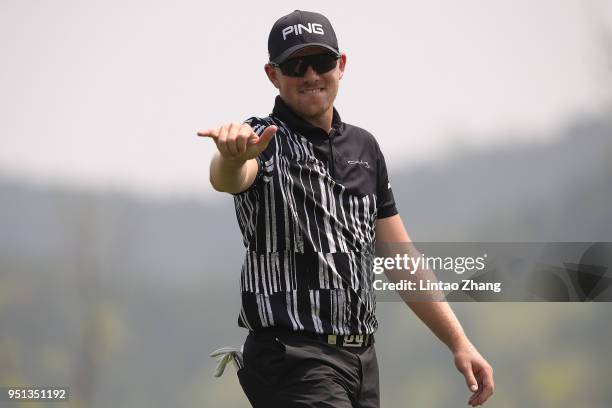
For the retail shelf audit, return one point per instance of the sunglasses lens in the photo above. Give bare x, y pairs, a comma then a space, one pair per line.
297, 67
324, 63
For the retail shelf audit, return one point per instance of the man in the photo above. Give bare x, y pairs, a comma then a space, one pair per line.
312, 197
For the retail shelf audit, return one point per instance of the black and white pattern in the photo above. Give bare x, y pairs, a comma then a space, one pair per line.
308, 224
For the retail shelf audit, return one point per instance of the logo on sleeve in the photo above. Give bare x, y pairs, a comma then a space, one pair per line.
360, 163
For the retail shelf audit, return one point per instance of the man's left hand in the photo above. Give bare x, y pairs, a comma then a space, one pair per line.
477, 371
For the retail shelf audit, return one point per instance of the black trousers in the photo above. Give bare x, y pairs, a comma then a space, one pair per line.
287, 370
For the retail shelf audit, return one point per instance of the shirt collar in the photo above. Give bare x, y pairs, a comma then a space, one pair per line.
286, 114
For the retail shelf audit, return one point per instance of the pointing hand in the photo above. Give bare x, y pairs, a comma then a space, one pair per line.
238, 141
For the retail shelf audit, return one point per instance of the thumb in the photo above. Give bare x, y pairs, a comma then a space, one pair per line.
266, 136
470, 379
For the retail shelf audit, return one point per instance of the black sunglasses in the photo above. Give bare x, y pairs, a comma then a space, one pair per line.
297, 67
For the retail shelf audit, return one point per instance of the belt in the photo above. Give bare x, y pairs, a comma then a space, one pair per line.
346, 340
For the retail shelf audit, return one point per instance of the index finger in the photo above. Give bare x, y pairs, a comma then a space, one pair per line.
213, 133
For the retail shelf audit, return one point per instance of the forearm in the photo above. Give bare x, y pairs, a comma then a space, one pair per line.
230, 175
429, 305
441, 320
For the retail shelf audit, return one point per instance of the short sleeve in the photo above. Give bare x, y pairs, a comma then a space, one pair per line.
385, 202
258, 126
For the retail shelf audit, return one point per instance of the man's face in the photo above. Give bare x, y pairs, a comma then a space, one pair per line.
312, 95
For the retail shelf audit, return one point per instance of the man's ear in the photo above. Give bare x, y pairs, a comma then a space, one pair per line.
341, 65
272, 75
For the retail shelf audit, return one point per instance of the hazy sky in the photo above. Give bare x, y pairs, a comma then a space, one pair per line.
111, 93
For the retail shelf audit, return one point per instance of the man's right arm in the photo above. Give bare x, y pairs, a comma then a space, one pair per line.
234, 167
231, 176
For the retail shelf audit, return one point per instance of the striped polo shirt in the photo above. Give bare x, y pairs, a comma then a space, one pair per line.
308, 223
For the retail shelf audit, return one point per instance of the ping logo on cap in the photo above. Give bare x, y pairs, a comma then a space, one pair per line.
297, 29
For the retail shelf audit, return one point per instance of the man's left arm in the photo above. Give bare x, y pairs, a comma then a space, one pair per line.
441, 320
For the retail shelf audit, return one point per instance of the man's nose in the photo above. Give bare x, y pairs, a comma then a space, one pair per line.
311, 73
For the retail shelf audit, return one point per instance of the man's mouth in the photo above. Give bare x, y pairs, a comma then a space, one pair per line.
312, 91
